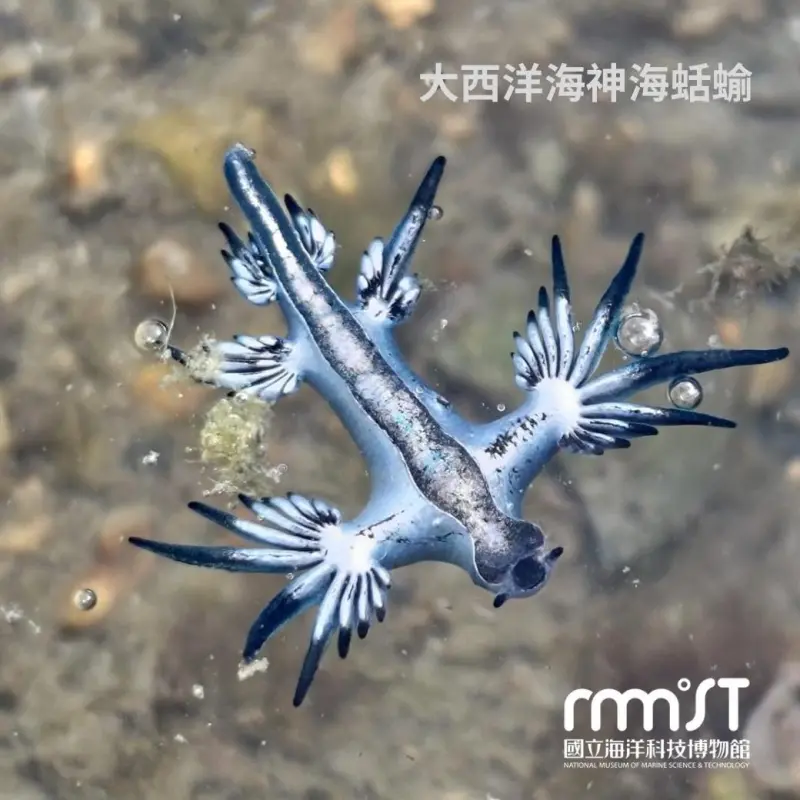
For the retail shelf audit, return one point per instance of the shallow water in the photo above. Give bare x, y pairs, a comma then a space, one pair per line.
682, 556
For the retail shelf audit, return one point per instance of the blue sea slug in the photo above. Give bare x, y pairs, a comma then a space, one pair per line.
443, 489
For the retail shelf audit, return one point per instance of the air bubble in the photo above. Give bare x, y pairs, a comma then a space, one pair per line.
501, 407
639, 332
435, 213
151, 335
85, 599
685, 393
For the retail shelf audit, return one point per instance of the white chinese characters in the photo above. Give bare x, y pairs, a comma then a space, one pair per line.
693, 83
656, 752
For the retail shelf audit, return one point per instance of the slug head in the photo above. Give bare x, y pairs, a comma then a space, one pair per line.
512, 560
528, 576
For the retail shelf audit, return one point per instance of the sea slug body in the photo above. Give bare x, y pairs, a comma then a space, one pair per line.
443, 489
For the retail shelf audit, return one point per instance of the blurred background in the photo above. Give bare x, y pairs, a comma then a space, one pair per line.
118, 672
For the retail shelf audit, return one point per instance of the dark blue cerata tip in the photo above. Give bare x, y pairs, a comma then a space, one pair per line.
443, 489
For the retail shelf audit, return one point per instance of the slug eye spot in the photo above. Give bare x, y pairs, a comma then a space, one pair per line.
528, 573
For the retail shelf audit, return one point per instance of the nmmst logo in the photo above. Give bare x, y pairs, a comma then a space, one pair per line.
649, 699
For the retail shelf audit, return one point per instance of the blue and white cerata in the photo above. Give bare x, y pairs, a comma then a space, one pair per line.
443, 489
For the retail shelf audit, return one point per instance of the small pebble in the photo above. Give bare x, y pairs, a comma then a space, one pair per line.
768, 383
730, 332
151, 335
88, 186
168, 264
341, 171
28, 518
327, 49
792, 471
403, 14
25, 536
86, 166
685, 393
85, 599
6, 432
17, 63
458, 125
639, 333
